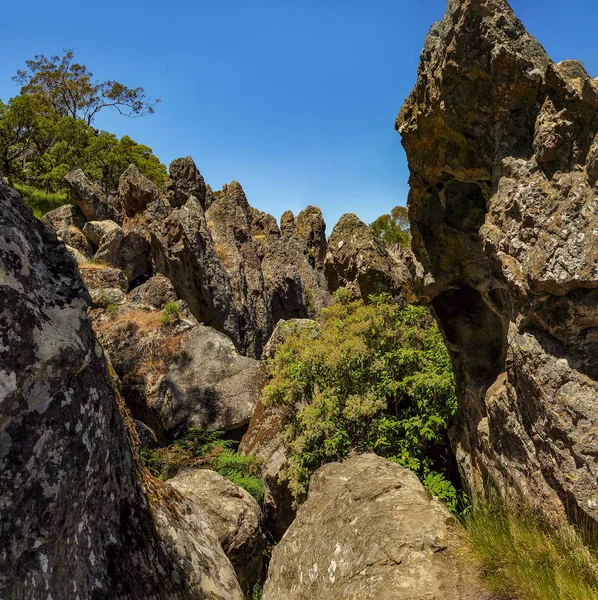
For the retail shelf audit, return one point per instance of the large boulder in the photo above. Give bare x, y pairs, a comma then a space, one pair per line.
68, 222
233, 515
156, 292
179, 375
356, 260
127, 250
369, 529
96, 230
501, 144
208, 385
80, 517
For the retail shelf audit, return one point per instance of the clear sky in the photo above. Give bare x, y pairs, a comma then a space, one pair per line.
294, 99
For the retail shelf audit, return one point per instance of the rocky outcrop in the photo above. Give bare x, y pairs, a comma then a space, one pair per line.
501, 144
80, 517
356, 260
136, 191
87, 196
176, 374
369, 529
233, 515
233, 266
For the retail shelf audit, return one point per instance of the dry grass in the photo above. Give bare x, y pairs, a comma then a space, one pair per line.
524, 557
225, 255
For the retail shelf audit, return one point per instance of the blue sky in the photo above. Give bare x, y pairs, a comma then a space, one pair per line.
294, 99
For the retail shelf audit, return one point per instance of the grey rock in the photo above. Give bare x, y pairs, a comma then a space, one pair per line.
286, 329
147, 436
233, 515
208, 385
88, 198
369, 529
356, 260
69, 476
501, 148
67, 222
96, 230
156, 291
136, 191
126, 250
185, 181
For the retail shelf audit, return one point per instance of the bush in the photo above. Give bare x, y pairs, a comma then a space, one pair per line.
207, 450
525, 557
376, 377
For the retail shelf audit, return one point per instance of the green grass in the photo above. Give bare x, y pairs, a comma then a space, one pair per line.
523, 557
39, 201
170, 313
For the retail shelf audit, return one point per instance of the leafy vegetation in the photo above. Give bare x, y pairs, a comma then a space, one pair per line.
207, 450
525, 557
170, 313
377, 377
393, 228
47, 130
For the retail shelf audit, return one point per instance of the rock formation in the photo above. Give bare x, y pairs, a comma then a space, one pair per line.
356, 260
177, 375
233, 515
369, 529
232, 265
79, 517
502, 146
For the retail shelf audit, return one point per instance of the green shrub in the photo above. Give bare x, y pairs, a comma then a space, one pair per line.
258, 592
170, 313
39, 201
376, 377
207, 450
524, 557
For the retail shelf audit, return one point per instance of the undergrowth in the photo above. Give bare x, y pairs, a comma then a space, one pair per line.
207, 450
376, 378
524, 557
39, 201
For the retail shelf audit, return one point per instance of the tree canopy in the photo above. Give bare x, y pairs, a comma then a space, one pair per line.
69, 89
47, 130
393, 228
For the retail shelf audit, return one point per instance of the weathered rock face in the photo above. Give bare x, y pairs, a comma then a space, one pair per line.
357, 261
501, 144
88, 198
208, 386
369, 529
234, 516
80, 518
179, 375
